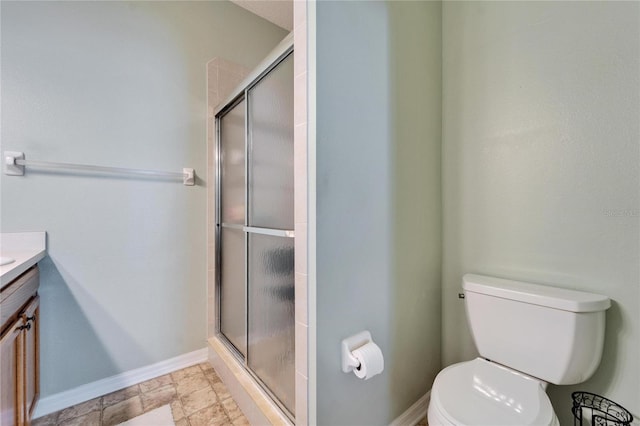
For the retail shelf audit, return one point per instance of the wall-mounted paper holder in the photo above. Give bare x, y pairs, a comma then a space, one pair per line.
349, 362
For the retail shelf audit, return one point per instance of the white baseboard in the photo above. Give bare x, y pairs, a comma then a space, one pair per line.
415, 413
68, 398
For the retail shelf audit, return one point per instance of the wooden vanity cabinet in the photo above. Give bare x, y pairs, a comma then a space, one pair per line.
19, 350
10, 355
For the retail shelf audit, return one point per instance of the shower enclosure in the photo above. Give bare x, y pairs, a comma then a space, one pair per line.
254, 229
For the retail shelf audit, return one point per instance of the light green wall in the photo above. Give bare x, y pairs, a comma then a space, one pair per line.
118, 84
541, 170
378, 202
416, 121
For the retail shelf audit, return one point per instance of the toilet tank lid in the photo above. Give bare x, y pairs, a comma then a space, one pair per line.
536, 294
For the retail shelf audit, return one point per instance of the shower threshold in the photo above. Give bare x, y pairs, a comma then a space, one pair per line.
256, 404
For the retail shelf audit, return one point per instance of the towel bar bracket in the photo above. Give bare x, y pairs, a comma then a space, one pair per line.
11, 167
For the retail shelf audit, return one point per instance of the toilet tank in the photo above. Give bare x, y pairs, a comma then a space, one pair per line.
550, 333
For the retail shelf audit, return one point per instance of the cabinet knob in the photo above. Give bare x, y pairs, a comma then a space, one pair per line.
31, 318
27, 326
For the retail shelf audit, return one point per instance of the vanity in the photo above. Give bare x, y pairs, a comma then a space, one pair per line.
19, 325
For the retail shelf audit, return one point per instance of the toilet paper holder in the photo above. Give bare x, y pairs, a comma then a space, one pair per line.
349, 362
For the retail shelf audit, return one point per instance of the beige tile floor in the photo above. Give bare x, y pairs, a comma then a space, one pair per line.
196, 394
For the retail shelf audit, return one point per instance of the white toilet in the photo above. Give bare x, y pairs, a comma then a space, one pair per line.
527, 335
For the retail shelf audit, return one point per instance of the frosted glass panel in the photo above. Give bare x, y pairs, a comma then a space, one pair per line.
233, 317
271, 144
271, 315
232, 155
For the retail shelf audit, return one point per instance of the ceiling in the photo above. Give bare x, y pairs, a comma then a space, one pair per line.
279, 12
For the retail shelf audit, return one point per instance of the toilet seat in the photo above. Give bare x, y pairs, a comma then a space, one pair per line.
481, 392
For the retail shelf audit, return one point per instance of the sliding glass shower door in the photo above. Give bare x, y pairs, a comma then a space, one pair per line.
232, 238
255, 222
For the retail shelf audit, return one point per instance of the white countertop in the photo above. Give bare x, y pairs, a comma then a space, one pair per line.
27, 248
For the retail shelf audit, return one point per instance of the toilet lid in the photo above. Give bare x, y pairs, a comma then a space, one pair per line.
480, 392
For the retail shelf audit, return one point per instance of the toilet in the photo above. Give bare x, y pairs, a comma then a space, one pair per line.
527, 335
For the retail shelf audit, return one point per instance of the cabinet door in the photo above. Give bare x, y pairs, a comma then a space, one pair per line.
11, 402
31, 359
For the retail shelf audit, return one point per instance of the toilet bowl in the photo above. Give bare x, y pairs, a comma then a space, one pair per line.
480, 392
527, 335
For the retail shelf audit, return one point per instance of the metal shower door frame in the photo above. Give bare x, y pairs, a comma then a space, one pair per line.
242, 94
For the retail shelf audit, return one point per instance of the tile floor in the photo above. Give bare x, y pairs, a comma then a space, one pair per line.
196, 394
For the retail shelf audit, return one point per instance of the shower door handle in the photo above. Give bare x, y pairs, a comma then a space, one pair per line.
287, 233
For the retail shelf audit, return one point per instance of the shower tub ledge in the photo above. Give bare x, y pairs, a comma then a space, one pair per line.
256, 405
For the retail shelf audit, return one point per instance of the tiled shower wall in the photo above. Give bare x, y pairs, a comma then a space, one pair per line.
300, 202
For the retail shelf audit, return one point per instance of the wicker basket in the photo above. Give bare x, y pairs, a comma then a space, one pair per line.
598, 410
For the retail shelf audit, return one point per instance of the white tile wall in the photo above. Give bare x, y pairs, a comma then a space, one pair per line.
301, 214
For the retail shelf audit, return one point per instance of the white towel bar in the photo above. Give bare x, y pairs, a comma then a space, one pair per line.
14, 164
